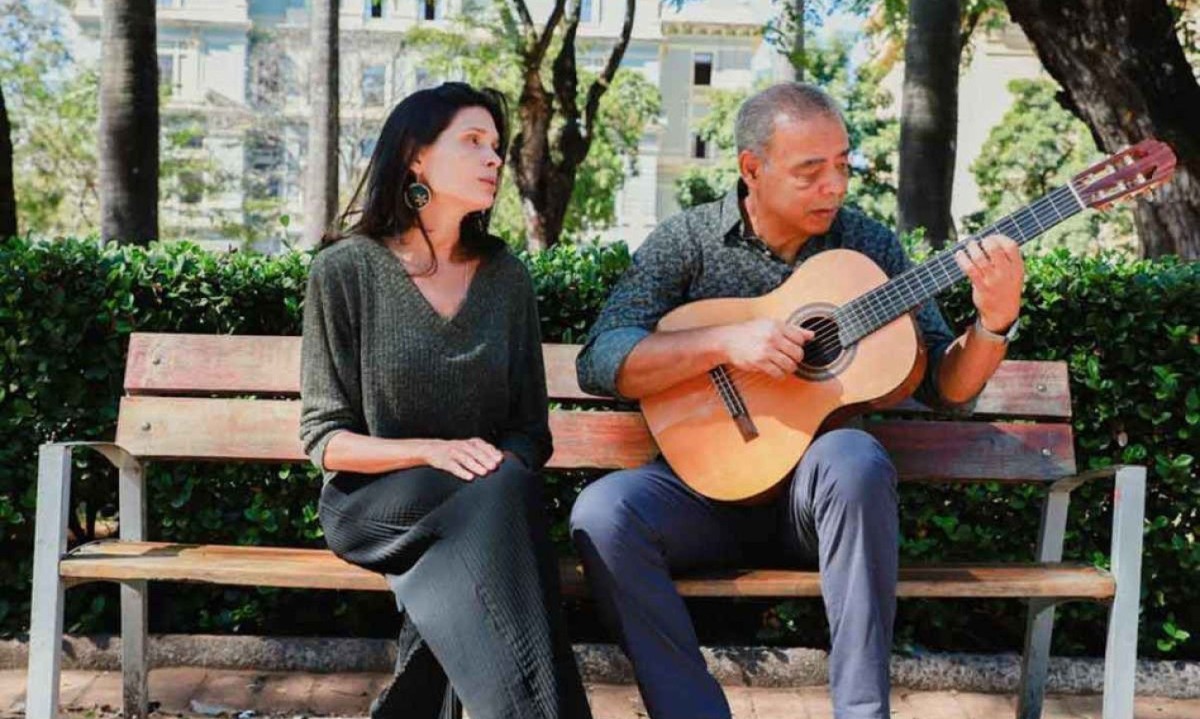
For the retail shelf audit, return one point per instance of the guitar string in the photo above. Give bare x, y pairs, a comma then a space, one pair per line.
828, 339
874, 313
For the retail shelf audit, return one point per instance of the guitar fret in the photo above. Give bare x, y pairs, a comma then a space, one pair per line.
912, 288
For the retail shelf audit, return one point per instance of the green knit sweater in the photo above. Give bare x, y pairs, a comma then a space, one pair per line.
378, 360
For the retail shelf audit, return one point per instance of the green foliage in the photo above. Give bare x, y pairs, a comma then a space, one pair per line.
1130, 332
572, 283
698, 185
1035, 148
874, 134
889, 19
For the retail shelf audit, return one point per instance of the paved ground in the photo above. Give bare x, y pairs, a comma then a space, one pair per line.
199, 692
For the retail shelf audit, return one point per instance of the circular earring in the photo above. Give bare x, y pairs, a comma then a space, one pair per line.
417, 195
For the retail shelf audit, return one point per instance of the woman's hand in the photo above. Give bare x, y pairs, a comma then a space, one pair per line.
464, 458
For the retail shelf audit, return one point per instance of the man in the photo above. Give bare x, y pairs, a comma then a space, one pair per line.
635, 528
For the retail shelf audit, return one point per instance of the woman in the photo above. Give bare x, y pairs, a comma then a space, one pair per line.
424, 406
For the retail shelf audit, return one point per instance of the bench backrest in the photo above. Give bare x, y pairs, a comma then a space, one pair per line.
186, 398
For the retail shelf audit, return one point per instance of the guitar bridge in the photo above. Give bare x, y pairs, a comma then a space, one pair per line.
732, 399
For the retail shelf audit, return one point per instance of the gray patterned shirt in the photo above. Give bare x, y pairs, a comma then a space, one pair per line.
709, 251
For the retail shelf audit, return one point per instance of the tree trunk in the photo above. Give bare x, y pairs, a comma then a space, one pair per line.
798, 40
321, 187
128, 122
929, 118
546, 178
1124, 74
8, 197
530, 156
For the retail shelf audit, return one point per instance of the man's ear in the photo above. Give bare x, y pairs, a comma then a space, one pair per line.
750, 166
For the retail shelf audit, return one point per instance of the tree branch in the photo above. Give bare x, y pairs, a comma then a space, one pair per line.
556, 14
566, 74
600, 86
527, 31
970, 22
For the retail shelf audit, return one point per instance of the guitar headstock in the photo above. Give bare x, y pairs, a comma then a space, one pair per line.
1126, 174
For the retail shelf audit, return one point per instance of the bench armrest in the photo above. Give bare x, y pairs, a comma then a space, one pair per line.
1129, 511
54, 486
1069, 484
117, 455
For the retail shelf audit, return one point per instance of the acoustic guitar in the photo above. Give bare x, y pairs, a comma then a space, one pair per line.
735, 436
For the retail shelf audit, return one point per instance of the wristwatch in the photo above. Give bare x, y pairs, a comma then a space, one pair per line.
1008, 336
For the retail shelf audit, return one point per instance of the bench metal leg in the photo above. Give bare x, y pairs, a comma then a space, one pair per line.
134, 596
1039, 628
451, 706
1120, 655
46, 617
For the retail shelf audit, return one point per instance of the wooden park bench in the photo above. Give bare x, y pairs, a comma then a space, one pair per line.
185, 400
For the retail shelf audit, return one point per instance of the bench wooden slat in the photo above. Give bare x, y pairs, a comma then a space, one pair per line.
320, 569
172, 364
193, 364
267, 430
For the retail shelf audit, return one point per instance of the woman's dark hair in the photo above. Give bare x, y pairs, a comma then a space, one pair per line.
414, 124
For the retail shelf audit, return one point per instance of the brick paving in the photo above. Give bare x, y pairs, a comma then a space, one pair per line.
194, 692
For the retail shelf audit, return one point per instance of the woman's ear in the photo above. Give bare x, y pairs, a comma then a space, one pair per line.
417, 168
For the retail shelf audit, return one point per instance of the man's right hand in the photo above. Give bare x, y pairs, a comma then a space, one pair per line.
765, 345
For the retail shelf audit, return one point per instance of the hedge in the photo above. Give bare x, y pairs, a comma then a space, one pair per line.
1130, 331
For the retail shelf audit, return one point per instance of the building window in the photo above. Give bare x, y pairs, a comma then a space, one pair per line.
423, 79
171, 57
289, 74
266, 161
170, 3
191, 188
699, 148
373, 85
702, 68
587, 11
166, 71
375, 8
431, 9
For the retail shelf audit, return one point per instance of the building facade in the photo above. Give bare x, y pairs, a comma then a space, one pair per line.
239, 68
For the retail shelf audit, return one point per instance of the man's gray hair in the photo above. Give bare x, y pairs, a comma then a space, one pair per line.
797, 100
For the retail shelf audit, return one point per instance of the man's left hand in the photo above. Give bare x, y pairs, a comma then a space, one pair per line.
997, 274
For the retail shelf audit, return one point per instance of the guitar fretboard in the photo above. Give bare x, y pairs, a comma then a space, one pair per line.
862, 316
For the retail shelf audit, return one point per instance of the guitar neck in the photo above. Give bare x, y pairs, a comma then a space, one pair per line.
903, 293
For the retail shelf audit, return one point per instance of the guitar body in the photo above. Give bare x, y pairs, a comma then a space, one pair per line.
735, 436
693, 426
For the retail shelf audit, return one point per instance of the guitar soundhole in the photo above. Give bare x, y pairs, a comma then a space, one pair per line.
824, 355
825, 347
